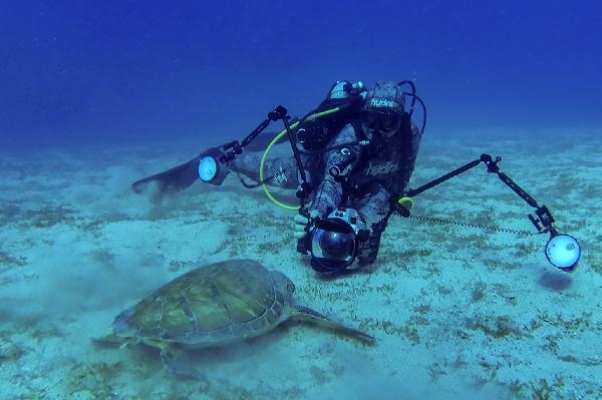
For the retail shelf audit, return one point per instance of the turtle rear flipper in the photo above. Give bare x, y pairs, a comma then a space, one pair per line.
309, 315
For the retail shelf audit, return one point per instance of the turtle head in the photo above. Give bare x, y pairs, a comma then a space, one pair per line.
122, 326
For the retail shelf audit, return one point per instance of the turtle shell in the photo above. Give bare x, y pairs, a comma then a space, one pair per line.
211, 305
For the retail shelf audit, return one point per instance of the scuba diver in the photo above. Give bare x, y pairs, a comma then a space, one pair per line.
351, 162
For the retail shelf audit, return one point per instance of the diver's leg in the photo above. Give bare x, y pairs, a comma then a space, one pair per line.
375, 209
278, 169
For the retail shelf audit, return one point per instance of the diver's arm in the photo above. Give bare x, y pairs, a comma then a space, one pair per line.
328, 195
399, 184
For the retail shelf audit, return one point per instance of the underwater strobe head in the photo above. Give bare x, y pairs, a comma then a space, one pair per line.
211, 169
563, 251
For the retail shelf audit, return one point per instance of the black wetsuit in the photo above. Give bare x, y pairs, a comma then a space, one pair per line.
380, 171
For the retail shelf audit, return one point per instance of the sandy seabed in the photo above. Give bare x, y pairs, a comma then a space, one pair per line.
466, 308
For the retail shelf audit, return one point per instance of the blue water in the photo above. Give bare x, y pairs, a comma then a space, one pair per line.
81, 72
77, 246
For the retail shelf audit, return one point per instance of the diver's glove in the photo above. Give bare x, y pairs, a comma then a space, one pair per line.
302, 224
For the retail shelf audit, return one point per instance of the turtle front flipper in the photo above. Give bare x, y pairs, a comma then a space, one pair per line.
309, 315
177, 361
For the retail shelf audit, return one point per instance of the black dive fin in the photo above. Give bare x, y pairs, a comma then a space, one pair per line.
173, 180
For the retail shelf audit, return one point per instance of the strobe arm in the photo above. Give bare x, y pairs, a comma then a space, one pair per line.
543, 219
562, 251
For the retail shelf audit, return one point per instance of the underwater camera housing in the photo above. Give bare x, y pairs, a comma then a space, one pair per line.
334, 242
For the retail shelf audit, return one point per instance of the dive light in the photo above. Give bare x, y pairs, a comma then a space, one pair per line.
211, 169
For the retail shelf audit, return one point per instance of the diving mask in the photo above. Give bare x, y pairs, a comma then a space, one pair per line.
385, 120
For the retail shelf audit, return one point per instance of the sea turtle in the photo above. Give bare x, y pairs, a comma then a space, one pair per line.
215, 305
